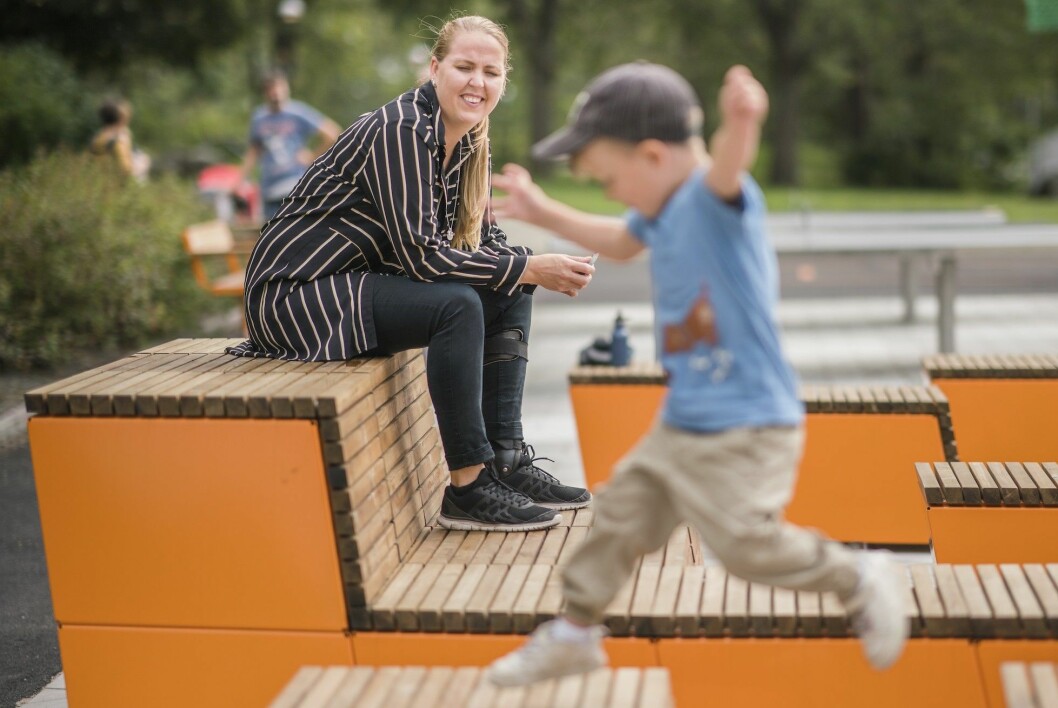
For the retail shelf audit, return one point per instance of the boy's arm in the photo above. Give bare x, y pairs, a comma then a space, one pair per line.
743, 107
525, 201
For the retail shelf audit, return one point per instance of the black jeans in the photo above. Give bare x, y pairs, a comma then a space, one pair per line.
475, 402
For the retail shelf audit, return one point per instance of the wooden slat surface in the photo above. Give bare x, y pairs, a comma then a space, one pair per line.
1009, 484
995, 366
443, 687
1029, 685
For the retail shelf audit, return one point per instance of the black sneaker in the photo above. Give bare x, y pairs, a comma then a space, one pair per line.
516, 467
487, 505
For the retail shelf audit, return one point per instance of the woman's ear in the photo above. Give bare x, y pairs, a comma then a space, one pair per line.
433, 70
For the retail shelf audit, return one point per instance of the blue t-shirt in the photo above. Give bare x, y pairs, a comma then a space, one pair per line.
279, 136
716, 284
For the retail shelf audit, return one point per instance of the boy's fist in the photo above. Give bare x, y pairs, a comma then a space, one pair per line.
742, 98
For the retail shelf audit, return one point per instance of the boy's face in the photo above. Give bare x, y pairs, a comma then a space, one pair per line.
631, 174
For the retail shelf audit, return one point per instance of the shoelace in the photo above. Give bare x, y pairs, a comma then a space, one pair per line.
506, 494
528, 451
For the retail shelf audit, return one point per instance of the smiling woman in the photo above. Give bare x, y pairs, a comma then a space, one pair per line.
383, 246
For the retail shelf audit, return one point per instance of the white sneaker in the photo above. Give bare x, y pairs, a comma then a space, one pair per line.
546, 656
878, 610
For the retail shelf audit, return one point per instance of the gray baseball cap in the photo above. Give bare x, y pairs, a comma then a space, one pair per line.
630, 102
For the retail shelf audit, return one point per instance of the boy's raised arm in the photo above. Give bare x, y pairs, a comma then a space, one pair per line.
526, 202
743, 107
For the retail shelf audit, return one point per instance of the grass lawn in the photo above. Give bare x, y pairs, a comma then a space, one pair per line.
1018, 207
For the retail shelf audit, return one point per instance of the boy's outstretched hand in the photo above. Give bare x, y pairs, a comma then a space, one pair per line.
524, 201
742, 98
743, 107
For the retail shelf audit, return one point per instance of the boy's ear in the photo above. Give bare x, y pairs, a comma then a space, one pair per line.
653, 151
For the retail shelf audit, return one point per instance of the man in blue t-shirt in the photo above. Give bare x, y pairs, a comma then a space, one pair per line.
281, 131
723, 455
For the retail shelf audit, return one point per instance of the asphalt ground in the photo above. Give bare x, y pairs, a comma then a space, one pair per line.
29, 648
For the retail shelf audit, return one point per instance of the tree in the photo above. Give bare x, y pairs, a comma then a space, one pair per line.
106, 34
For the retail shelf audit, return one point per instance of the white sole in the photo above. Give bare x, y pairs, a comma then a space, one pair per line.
465, 525
566, 506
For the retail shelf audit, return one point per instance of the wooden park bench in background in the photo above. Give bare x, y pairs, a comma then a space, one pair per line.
991, 512
1033, 685
1002, 406
446, 687
856, 481
216, 258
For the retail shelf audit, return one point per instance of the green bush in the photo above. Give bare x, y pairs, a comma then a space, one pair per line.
90, 260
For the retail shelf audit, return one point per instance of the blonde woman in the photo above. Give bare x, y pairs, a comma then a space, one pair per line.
384, 246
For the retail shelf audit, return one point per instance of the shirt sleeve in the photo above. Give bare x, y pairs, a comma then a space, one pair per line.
399, 176
637, 226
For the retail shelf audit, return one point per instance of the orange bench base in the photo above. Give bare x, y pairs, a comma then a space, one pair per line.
132, 667
856, 482
994, 534
1003, 419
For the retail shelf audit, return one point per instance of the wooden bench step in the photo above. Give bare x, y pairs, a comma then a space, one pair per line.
999, 484
445, 687
1006, 601
1030, 685
991, 366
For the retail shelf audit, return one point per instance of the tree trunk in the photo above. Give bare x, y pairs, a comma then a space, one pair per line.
537, 28
780, 19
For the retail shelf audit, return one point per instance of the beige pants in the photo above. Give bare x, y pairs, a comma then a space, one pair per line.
730, 486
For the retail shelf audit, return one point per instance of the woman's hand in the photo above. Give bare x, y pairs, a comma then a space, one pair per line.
525, 200
558, 272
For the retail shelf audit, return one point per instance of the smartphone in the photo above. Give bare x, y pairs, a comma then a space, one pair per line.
594, 257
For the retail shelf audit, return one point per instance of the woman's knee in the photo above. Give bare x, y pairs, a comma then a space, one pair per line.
460, 305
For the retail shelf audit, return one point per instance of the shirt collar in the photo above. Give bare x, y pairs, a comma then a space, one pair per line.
463, 152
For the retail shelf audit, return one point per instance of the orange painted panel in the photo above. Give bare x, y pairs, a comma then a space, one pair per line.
857, 480
994, 535
415, 649
187, 523
818, 673
119, 667
610, 420
1003, 419
992, 653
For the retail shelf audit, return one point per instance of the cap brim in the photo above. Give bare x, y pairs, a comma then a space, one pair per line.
560, 144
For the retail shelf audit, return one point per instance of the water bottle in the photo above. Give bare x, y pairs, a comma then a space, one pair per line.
620, 351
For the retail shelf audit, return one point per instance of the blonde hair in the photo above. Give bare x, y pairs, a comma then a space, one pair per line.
474, 184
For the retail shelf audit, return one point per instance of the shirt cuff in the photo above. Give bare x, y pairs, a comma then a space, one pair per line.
508, 271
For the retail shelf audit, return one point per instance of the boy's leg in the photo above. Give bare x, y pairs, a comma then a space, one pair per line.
633, 516
734, 487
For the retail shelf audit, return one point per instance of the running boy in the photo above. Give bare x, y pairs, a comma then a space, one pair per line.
723, 455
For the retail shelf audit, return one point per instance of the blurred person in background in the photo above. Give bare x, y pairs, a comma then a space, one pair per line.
281, 133
114, 139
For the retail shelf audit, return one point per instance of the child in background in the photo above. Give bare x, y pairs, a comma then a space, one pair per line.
723, 454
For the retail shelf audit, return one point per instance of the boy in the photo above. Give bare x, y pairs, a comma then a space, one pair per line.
724, 453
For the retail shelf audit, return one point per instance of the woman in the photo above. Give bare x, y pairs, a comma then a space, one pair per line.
114, 138
384, 246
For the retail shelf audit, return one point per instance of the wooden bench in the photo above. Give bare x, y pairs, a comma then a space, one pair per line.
991, 512
225, 518
212, 524
447, 687
213, 242
1002, 406
1033, 685
855, 481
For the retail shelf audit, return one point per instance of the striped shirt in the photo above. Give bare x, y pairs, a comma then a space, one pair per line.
378, 201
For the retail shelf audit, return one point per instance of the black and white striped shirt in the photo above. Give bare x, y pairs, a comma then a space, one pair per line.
378, 201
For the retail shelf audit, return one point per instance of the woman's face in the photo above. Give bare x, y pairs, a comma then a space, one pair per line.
470, 80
